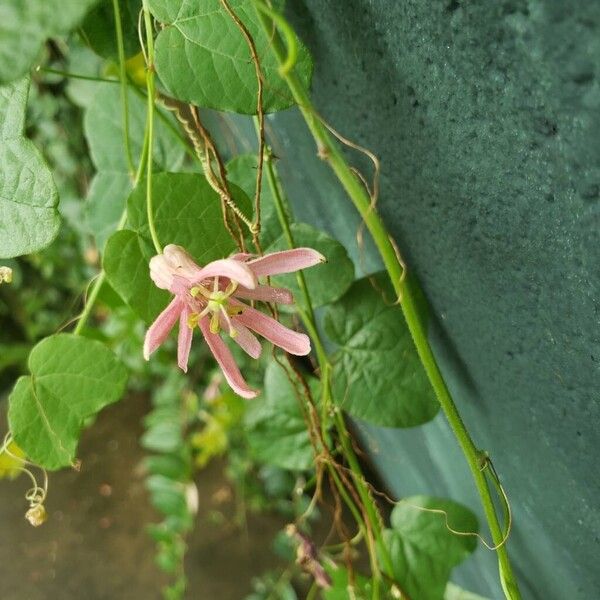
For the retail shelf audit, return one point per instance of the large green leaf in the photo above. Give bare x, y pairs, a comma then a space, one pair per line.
422, 549
29, 219
326, 282
242, 171
187, 211
125, 262
275, 424
26, 24
378, 376
202, 57
71, 379
103, 127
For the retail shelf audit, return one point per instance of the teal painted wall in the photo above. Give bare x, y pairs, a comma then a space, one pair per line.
486, 117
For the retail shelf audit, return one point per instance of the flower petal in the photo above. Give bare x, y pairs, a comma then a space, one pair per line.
160, 272
246, 340
184, 340
159, 330
291, 341
286, 261
180, 261
225, 359
266, 293
230, 268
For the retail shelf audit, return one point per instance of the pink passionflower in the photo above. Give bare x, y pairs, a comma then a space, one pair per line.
211, 297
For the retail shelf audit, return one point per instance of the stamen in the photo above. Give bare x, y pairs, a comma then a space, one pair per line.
232, 331
200, 289
214, 323
193, 320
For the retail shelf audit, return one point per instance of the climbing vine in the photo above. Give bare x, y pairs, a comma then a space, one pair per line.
194, 236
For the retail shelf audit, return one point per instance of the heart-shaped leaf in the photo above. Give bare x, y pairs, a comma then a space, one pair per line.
203, 58
378, 375
29, 218
71, 379
422, 548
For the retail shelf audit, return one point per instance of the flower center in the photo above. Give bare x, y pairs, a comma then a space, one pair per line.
217, 306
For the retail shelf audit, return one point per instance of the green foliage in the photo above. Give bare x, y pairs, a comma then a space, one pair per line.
277, 431
202, 57
26, 24
326, 282
29, 218
103, 126
98, 28
187, 212
169, 476
341, 584
241, 170
126, 266
378, 376
71, 379
422, 549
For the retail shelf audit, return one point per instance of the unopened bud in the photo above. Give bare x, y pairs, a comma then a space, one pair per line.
6, 275
36, 515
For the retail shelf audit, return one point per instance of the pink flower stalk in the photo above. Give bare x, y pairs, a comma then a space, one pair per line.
211, 297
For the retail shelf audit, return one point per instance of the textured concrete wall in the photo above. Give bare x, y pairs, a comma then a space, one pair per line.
486, 117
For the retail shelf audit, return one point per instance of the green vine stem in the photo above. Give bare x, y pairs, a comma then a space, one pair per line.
151, 92
308, 318
330, 151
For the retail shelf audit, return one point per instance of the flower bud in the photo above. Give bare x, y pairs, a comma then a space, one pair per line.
36, 515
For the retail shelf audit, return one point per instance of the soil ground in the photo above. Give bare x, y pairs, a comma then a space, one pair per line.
94, 545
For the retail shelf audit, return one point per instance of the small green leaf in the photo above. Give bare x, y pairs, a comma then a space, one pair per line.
126, 265
423, 550
71, 379
277, 432
342, 587
242, 171
187, 211
167, 496
26, 24
453, 592
29, 219
378, 376
327, 282
203, 58
103, 129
